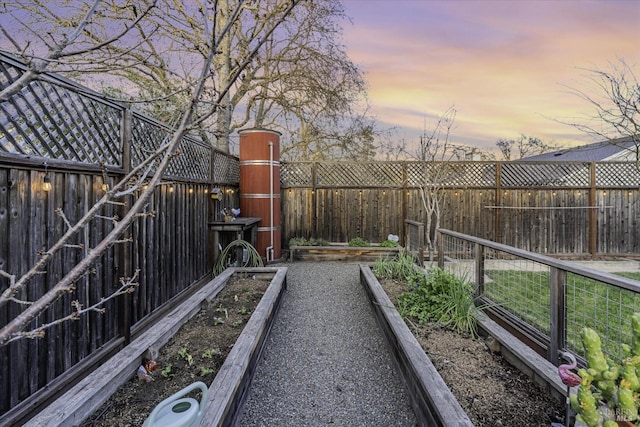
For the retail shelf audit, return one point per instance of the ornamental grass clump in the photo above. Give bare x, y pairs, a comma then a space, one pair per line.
609, 390
401, 267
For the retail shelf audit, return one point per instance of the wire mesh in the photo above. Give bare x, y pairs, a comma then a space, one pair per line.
521, 286
605, 308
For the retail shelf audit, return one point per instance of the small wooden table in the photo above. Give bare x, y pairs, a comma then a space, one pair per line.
239, 225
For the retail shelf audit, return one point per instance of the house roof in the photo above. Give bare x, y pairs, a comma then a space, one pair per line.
619, 149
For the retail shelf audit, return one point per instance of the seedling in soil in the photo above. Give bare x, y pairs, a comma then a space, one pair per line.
166, 371
206, 371
208, 354
221, 309
236, 323
185, 355
218, 321
244, 311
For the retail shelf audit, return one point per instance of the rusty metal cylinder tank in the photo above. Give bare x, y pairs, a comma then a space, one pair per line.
260, 187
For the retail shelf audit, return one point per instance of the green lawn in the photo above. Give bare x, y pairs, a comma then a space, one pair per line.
605, 308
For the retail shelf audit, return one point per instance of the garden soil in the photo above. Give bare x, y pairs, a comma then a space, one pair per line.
492, 392
195, 353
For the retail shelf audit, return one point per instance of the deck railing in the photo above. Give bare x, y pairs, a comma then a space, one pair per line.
545, 301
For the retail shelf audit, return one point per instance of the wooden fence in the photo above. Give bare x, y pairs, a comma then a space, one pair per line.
82, 144
560, 208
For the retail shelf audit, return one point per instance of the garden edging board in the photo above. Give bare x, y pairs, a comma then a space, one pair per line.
90, 393
340, 253
432, 401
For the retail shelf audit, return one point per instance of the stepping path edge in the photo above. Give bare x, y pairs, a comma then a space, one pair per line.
431, 399
228, 391
82, 400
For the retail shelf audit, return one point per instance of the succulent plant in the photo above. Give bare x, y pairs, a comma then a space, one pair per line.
608, 390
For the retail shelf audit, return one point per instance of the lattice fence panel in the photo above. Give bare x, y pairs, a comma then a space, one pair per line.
617, 175
296, 175
451, 174
553, 174
194, 160
359, 174
48, 120
226, 168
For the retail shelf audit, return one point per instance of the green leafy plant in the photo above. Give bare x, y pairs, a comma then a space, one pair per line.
209, 353
183, 353
206, 371
221, 309
301, 241
388, 244
608, 388
436, 296
166, 371
359, 242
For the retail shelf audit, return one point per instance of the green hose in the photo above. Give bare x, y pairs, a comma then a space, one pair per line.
223, 261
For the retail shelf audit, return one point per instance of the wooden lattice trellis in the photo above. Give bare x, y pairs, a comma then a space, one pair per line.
359, 175
54, 118
226, 168
617, 174
458, 174
46, 119
553, 174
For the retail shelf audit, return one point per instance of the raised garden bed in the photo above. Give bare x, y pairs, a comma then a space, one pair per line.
433, 401
227, 391
340, 252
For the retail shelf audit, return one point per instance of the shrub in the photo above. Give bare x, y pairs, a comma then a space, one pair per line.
359, 242
301, 241
437, 296
440, 297
388, 244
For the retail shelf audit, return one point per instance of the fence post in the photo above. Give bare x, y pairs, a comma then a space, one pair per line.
479, 255
497, 234
592, 212
558, 317
124, 261
405, 202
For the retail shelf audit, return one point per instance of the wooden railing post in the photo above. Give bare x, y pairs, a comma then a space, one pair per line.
440, 251
479, 255
558, 317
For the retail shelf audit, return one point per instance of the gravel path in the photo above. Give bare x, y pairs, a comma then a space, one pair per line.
325, 362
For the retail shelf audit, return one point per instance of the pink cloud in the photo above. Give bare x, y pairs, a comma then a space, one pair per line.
505, 65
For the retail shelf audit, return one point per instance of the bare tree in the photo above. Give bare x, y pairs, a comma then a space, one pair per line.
435, 153
301, 83
524, 146
63, 42
199, 108
615, 96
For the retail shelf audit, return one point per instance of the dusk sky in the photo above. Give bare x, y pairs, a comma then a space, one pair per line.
507, 66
